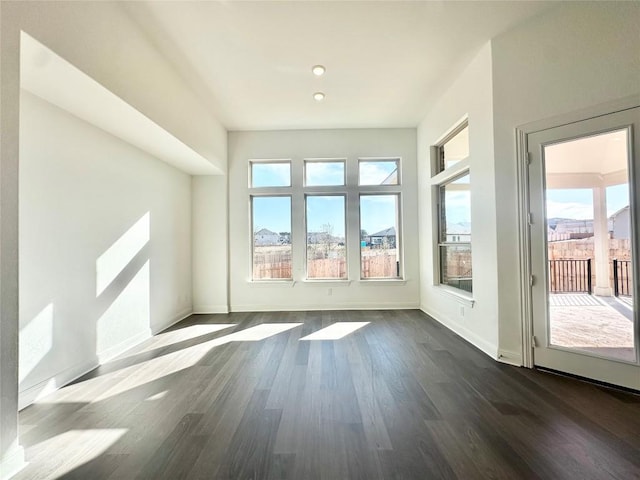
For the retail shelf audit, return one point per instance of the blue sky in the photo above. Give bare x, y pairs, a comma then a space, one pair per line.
324, 173
273, 213
270, 174
458, 204
378, 212
577, 203
323, 210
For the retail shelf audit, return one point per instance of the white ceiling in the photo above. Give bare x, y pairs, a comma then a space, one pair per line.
386, 60
602, 154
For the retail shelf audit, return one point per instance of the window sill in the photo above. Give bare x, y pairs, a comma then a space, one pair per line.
383, 282
270, 283
324, 283
460, 295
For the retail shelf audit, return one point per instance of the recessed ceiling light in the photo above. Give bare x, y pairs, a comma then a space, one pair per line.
318, 70
318, 96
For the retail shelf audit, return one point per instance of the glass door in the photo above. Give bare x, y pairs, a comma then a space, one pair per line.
583, 199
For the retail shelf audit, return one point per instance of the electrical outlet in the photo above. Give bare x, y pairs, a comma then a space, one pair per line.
329, 292
462, 311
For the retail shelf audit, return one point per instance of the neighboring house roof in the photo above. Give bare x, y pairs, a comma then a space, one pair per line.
615, 214
265, 231
389, 232
392, 178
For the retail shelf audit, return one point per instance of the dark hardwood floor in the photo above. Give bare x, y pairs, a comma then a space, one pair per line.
400, 398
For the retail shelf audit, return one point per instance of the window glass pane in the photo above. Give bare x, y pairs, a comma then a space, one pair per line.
455, 211
323, 173
326, 251
379, 236
455, 266
271, 237
270, 174
378, 172
456, 149
455, 233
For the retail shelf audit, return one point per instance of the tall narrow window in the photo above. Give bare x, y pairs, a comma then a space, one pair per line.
379, 236
451, 182
326, 242
455, 233
271, 219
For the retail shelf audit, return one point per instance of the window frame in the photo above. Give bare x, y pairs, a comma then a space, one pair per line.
442, 241
440, 178
308, 161
253, 196
264, 161
398, 170
351, 191
306, 238
399, 236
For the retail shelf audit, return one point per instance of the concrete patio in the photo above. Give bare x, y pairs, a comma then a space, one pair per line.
594, 324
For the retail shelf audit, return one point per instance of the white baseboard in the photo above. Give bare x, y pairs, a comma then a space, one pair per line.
510, 357
316, 307
487, 347
210, 309
122, 347
177, 318
12, 462
33, 393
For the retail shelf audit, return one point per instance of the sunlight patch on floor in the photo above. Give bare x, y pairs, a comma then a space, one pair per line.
171, 337
336, 331
180, 360
79, 446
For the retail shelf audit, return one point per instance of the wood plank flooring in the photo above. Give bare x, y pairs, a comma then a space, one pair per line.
400, 398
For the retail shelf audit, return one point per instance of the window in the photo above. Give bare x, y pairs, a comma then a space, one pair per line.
453, 220
271, 222
304, 211
455, 233
455, 149
323, 173
378, 172
379, 236
270, 174
326, 246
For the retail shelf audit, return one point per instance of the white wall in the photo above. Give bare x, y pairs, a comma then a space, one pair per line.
105, 246
470, 95
11, 453
297, 145
209, 244
576, 56
102, 40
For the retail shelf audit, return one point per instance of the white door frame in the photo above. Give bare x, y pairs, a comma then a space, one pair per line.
524, 235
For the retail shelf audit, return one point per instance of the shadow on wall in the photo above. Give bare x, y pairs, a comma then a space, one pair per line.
121, 309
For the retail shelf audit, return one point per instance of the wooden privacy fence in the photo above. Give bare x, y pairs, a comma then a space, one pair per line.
380, 266
272, 264
277, 264
327, 268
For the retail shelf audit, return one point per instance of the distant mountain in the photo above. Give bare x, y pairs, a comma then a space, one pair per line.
552, 222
